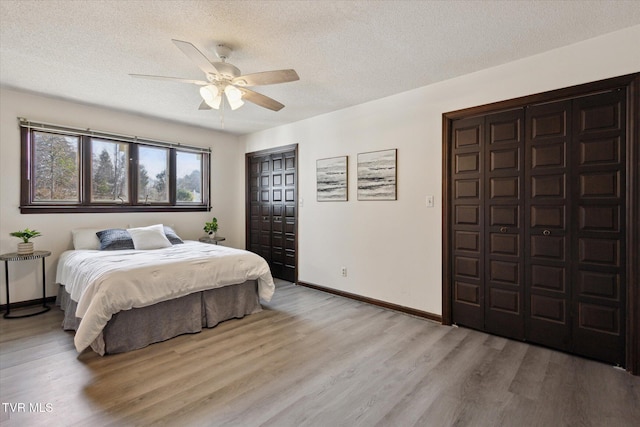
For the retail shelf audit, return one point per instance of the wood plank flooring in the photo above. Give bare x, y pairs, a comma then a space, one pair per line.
309, 359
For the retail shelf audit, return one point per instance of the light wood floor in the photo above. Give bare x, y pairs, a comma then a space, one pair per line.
309, 358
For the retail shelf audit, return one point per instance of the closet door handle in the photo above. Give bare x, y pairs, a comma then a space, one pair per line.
503, 229
546, 233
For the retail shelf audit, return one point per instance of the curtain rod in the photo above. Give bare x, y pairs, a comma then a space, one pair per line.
110, 135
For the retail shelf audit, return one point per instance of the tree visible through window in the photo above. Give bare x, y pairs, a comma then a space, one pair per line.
80, 170
153, 163
56, 171
189, 177
109, 171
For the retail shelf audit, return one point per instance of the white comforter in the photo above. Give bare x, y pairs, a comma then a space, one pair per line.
106, 282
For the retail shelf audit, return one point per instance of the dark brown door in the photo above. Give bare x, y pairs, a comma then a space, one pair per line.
576, 182
272, 215
259, 237
598, 226
283, 221
538, 224
468, 219
503, 228
548, 241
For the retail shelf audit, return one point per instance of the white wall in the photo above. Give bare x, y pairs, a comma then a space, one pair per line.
392, 249
227, 181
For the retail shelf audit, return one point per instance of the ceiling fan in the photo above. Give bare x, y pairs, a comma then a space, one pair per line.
222, 77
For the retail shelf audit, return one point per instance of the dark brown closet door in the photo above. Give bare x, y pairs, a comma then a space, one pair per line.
283, 196
599, 226
468, 217
272, 228
541, 219
260, 206
548, 275
503, 228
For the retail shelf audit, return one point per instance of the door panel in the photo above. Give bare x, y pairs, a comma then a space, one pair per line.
548, 216
600, 151
600, 231
503, 178
290, 203
547, 314
467, 241
278, 235
548, 277
468, 270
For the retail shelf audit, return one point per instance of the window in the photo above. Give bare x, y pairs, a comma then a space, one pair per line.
189, 177
56, 177
109, 171
73, 170
153, 168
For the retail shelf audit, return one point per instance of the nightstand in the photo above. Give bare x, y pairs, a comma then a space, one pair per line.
212, 240
13, 256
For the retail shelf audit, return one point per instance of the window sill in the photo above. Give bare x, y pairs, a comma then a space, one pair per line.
110, 209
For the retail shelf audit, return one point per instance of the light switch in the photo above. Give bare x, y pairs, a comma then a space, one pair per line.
430, 202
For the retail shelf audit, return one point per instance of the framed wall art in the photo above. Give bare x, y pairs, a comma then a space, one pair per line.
377, 175
332, 179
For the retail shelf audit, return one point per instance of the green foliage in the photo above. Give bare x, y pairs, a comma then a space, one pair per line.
108, 175
211, 226
56, 167
143, 180
161, 182
183, 195
103, 175
189, 186
26, 234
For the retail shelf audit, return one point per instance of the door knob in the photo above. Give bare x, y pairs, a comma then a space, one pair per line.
546, 233
503, 229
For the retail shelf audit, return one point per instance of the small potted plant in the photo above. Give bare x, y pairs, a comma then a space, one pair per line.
26, 247
211, 227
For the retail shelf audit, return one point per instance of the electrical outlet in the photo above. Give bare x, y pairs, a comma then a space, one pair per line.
343, 271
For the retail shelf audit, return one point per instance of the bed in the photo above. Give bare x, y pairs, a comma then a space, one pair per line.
118, 300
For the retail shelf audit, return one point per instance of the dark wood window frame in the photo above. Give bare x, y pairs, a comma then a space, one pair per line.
85, 205
629, 83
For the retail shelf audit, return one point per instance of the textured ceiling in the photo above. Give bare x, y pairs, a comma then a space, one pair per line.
346, 52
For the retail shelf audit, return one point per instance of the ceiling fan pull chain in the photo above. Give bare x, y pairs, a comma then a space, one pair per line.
222, 114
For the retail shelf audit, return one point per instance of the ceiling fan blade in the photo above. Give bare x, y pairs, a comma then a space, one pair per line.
171, 79
204, 106
196, 56
260, 99
266, 78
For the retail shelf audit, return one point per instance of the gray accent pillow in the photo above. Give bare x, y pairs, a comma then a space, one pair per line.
115, 239
172, 236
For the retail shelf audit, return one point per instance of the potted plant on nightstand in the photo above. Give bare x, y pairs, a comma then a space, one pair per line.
211, 227
26, 247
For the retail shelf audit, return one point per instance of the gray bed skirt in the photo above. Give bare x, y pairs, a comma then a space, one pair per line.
137, 328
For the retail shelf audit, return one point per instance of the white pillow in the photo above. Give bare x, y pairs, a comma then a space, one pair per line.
85, 238
151, 237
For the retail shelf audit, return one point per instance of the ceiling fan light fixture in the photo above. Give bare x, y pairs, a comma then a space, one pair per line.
233, 93
211, 96
235, 104
215, 103
227, 78
234, 96
208, 92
